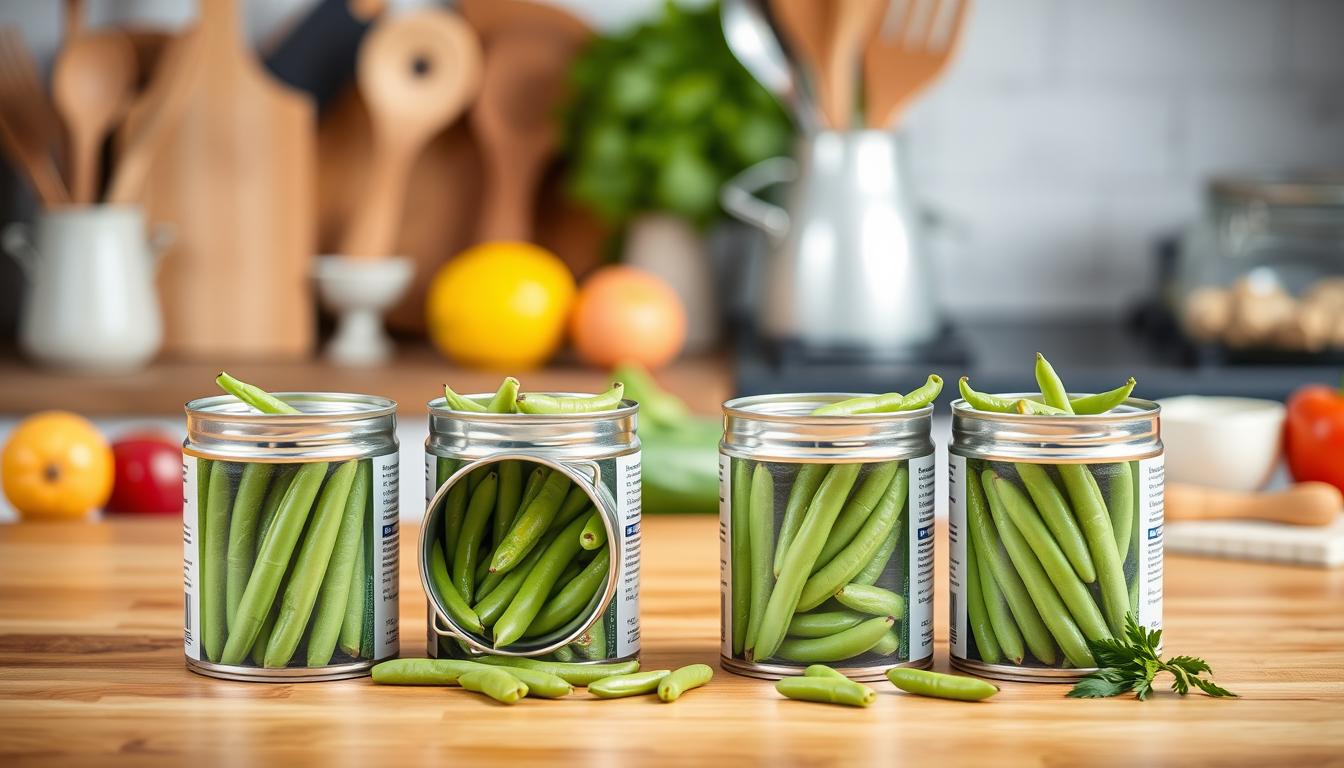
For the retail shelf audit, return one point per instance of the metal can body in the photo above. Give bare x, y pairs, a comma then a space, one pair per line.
826, 532
1055, 537
290, 536
534, 522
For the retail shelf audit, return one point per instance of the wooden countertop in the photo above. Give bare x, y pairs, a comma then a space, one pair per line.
91, 671
411, 379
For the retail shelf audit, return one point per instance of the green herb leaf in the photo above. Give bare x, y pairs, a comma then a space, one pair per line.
1092, 687
1132, 663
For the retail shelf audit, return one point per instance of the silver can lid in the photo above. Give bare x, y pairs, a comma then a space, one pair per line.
782, 428
333, 426
1131, 431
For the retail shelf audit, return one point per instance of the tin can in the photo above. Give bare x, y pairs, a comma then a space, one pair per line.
1055, 537
826, 536
533, 521
290, 534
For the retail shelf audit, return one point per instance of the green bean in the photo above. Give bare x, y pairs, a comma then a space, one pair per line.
1052, 389
1096, 524
923, 395
284, 475
443, 469
924, 682
851, 560
1059, 518
856, 406
802, 554
1103, 401
594, 533
1050, 558
576, 503
541, 684
508, 498
874, 601
984, 402
634, 684
502, 402
352, 625
254, 396
458, 402
1002, 628
804, 487
532, 523
991, 555
329, 614
535, 479
454, 514
536, 403
498, 684
311, 566
739, 538
821, 670
977, 616
1043, 594
889, 644
572, 569
843, 645
572, 673
451, 600
495, 601
573, 597
593, 643
682, 680
761, 544
824, 623
258, 652
1028, 407
215, 626
467, 546
422, 671
826, 690
532, 594
878, 564
1120, 503
243, 532
564, 653
857, 510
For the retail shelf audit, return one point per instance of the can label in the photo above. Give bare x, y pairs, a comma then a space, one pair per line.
220, 549
873, 542
1043, 558
616, 632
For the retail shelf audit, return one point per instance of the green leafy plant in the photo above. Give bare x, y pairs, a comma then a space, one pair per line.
661, 115
1131, 662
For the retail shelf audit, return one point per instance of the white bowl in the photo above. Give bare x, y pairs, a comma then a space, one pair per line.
1232, 443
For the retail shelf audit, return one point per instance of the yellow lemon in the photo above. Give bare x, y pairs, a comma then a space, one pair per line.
500, 305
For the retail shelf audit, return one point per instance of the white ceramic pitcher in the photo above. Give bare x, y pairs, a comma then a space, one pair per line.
91, 304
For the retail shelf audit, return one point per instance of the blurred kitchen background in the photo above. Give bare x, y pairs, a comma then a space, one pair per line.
1134, 187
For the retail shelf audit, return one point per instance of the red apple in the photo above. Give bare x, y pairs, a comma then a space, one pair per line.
148, 475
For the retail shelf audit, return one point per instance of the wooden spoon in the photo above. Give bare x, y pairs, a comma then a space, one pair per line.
29, 128
1301, 504
806, 25
92, 85
852, 24
416, 74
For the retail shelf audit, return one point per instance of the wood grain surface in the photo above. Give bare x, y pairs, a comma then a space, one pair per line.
91, 672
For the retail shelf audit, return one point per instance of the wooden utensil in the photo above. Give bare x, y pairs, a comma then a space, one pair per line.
235, 180
92, 84
1301, 504
852, 24
30, 131
907, 56
160, 111
416, 73
805, 26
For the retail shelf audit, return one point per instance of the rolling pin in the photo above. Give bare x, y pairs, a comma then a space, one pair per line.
1300, 504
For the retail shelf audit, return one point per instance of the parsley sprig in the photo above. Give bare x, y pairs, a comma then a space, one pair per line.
1130, 663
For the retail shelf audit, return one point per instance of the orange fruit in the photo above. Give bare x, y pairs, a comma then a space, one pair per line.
624, 314
500, 305
56, 464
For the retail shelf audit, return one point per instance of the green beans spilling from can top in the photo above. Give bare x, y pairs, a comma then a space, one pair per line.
1048, 542
283, 561
802, 535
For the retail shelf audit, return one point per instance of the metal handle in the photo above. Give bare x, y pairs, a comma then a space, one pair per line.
740, 200
18, 243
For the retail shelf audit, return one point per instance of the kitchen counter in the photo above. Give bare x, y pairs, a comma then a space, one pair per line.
91, 670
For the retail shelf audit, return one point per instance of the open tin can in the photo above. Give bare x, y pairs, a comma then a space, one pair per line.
534, 522
826, 530
1055, 537
290, 537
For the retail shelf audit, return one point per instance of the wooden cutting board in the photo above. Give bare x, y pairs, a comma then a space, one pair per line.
235, 181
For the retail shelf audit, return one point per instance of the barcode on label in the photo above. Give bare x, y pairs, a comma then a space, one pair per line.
186, 621
952, 603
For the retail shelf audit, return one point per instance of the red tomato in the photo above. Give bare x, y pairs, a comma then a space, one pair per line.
1314, 435
148, 479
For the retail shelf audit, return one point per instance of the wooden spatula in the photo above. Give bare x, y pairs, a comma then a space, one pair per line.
30, 131
908, 54
92, 85
416, 73
1300, 504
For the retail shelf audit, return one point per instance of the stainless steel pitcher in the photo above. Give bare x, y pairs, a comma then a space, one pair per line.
848, 268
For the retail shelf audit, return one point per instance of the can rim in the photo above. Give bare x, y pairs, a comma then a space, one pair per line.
360, 406
742, 408
1141, 409
439, 406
